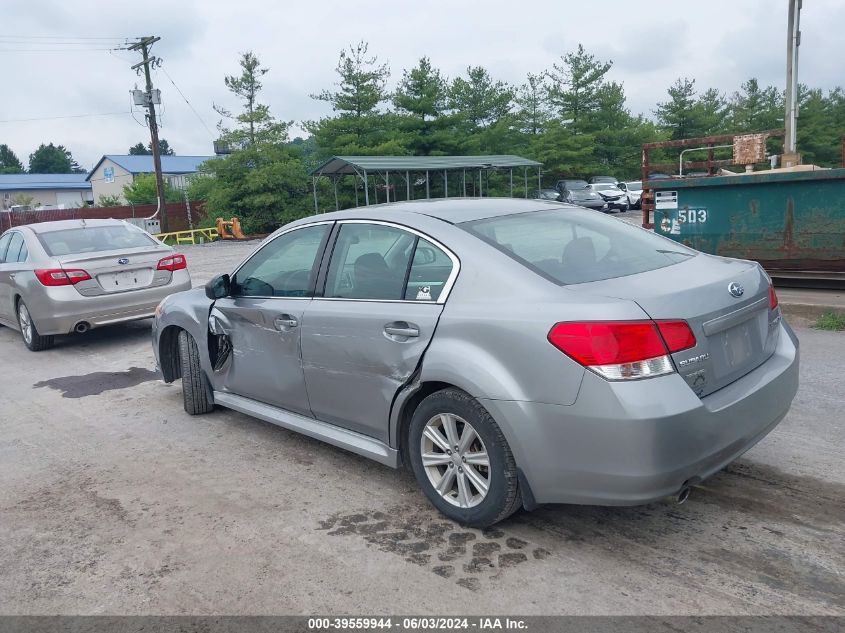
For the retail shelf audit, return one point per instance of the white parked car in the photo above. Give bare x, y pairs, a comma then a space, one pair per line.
634, 191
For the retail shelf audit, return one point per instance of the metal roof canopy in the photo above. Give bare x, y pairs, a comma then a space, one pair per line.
366, 166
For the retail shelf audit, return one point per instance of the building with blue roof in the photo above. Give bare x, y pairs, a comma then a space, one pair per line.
45, 190
114, 171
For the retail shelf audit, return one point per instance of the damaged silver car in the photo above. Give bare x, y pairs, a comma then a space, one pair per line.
511, 352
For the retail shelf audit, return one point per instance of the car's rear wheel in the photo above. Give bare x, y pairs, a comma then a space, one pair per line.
31, 338
196, 393
461, 459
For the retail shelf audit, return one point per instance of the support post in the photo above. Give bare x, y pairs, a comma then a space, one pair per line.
407, 185
336, 203
427, 190
525, 176
793, 41
465, 178
314, 187
366, 189
387, 186
539, 178
511, 170
480, 186
445, 184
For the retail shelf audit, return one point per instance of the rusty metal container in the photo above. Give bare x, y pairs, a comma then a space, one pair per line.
786, 220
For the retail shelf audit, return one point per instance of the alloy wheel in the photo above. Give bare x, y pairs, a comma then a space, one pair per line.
455, 460
25, 322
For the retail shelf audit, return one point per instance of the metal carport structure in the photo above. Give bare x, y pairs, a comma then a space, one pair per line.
372, 168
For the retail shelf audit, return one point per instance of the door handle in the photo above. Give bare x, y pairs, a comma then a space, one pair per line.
285, 321
400, 328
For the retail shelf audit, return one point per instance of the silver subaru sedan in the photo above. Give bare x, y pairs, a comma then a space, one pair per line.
74, 275
511, 352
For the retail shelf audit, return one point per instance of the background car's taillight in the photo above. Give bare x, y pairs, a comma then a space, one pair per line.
621, 350
59, 277
173, 262
773, 297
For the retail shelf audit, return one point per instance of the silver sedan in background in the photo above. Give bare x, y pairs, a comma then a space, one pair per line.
512, 352
74, 275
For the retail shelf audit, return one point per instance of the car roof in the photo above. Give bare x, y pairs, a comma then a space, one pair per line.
452, 210
62, 225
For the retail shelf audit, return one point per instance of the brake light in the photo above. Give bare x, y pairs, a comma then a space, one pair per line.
620, 350
676, 334
59, 277
773, 298
173, 262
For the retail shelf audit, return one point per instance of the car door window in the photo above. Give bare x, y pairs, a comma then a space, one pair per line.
370, 261
430, 269
14, 248
285, 267
4, 245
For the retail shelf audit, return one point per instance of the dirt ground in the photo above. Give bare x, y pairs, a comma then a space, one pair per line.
114, 501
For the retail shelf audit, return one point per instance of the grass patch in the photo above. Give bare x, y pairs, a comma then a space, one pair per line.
831, 321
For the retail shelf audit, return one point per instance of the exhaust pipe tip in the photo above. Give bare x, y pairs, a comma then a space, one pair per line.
683, 495
81, 327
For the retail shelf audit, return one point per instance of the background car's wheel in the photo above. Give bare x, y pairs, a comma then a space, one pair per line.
461, 459
626, 208
33, 340
195, 390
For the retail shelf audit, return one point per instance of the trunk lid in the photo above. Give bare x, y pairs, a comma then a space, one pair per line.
734, 334
119, 270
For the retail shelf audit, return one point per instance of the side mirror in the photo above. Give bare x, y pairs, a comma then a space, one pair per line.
622, 186
218, 287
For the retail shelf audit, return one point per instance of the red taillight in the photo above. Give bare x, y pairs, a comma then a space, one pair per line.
773, 298
174, 262
59, 277
676, 334
623, 349
607, 342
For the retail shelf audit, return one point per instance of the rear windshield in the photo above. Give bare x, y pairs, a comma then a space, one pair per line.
94, 239
573, 246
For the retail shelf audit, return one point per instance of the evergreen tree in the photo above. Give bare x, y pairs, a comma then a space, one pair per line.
254, 125
531, 100
9, 162
421, 99
358, 128
575, 84
53, 159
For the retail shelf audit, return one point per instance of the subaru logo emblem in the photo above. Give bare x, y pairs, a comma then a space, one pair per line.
735, 289
125, 260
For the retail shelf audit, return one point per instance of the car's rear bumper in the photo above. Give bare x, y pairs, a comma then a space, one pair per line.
58, 310
627, 443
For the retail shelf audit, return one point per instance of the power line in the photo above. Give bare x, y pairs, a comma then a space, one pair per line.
51, 50
63, 37
69, 116
207, 129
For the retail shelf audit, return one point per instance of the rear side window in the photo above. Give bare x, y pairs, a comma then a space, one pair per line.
572, 246
94, 239
4, 245
430, 270
14, 248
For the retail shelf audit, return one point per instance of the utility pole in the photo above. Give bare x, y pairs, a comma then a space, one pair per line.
143, 45
793, 41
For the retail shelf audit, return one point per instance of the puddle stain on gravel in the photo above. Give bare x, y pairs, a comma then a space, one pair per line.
445, 548
97, 382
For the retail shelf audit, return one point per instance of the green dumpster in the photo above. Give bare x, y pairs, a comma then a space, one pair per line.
787, 221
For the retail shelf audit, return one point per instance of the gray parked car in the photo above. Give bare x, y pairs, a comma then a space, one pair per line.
512, 352
74, 275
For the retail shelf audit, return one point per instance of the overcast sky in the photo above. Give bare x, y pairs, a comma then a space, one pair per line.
719, 43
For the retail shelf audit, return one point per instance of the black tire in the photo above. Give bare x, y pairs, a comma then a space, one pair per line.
36, 342
196, 393
503, 496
